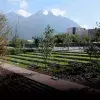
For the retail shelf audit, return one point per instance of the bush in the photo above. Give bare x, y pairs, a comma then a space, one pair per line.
28, 50
14, 51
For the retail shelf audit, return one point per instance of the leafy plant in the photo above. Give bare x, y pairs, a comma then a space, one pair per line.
90, 50
36, 41
14, 51
47, 43
4, 32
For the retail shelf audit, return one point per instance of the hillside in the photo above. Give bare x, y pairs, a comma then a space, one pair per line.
36, 23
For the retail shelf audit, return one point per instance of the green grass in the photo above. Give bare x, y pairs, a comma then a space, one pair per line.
35, 58
53, 58
58, 57
23, 63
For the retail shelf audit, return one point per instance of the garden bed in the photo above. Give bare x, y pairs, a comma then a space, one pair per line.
86, 74
14, 85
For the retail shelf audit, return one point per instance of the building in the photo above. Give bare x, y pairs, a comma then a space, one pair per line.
91, 32
80, 31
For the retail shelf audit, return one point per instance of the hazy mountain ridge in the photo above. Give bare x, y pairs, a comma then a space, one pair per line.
36, 23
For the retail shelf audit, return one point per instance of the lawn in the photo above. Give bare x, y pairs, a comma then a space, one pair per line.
56, 57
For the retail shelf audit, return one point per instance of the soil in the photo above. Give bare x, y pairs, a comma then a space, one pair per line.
91, 82
16, 86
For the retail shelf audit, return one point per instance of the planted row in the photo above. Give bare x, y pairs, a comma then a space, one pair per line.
76, 58
58, 59
32, 60
24, 62
40, 57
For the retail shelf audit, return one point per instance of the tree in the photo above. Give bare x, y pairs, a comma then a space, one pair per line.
16, 42
67, 40
86, 39
97, 40
59, 38
90, 50
97, 33
36, 41
4, 31
47, 43
75, 38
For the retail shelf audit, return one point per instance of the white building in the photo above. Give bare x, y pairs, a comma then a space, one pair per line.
80, 31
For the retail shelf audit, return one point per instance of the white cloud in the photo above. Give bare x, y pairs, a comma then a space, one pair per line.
23, 13
58, 12
45, 12
13, 1
77, 20
84, 26
23, 4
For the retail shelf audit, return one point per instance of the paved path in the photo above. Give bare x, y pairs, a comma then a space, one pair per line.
44, 79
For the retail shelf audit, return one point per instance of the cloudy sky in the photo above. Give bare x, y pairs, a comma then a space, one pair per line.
84, 12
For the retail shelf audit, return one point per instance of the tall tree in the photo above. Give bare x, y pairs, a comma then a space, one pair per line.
97, 33
16, 41
4, 31
47, 43
67, 40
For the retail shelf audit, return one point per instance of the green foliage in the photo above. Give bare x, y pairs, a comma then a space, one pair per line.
59, 38
4, 32
36, 41
67, 39
16, 42
90, 50
47, 43
86, 39
75, 38
97, 33
14, 51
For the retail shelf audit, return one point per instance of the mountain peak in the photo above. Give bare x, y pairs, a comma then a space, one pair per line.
44, 12
47, 12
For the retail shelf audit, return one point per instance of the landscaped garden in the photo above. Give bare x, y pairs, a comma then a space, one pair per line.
82, 67
72, 66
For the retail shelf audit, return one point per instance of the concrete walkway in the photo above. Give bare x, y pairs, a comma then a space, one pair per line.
44, 79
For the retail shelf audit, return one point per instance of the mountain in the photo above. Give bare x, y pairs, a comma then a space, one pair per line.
13, 20
36, 23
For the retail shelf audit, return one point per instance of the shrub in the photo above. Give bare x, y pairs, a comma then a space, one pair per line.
27, 50
14, 51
